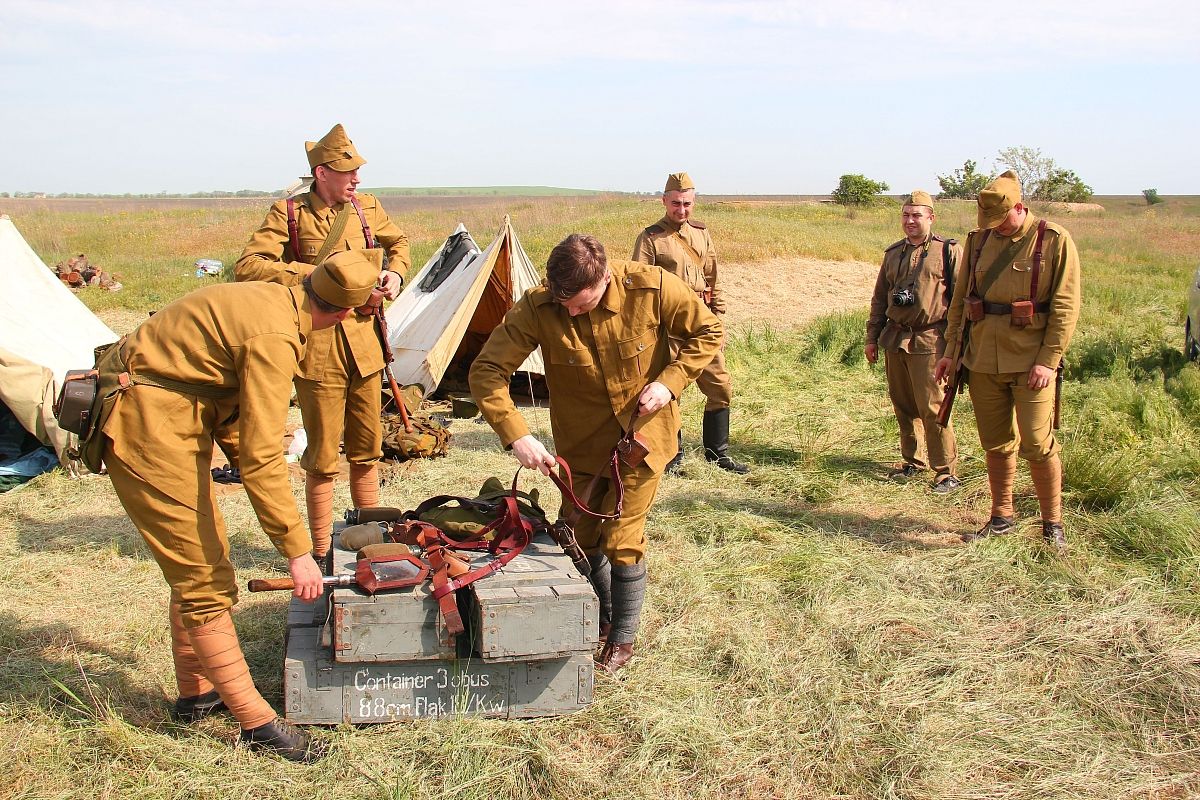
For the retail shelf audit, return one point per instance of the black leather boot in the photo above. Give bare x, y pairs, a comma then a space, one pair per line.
716, 441
283, 739
602, 583
996, 526
675, 463
1052, 533
192, 709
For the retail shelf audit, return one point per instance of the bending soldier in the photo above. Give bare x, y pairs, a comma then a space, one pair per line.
684, 247
1018, 288
195, 366
908, 322
606, 330
339, 384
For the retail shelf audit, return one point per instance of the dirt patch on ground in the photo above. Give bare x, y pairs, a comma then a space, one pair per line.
791, 292
1074, 208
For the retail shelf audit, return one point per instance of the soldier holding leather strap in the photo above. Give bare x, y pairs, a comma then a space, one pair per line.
186, 372
1020, 286
339, 384
605, 329
907, 321
684, 247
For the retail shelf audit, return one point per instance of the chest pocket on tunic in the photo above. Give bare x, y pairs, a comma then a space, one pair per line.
636, 353
575, 364
310, 246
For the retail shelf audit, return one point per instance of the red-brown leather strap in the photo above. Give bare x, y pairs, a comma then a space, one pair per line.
1037, 261
362, 218
579, 508
293, 229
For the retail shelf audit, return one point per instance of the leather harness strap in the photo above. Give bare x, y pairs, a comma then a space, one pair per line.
294, 227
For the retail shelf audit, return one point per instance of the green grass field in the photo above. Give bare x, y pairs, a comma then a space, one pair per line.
811, 631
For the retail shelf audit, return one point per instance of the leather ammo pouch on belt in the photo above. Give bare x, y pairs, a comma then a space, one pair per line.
973, 307
73, 408
632, 450
1021, 314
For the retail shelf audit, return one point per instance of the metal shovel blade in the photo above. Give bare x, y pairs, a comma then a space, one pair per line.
393, 573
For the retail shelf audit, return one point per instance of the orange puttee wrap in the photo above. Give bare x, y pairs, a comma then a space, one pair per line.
318, 496
364, 485
1002, 473
1047, 482
216, 645
189, 673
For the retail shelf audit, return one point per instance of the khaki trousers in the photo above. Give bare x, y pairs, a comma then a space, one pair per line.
343, 407
1012, 417
622, 540
916, 399
189, 546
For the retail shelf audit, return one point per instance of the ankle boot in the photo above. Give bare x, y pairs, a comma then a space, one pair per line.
194, 709
628, 594
602, 582
716, 441
1053, 535
283, 739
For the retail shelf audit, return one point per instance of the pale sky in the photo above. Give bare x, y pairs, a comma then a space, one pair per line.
748, 97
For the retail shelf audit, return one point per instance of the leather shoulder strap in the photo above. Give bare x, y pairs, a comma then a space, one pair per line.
1036, 272
293, 229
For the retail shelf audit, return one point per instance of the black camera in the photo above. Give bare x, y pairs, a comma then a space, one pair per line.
904, 296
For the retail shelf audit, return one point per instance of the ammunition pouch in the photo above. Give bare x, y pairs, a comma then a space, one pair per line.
973, 307
632, 450
73, 408
1021, 314
110, 365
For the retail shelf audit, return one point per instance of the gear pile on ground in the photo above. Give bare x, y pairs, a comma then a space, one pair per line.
78, 273
429, 438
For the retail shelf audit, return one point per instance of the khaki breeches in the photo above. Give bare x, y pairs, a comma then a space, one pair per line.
189, 546
1012, 417
344, 406
715, 383
622, 540
916, 399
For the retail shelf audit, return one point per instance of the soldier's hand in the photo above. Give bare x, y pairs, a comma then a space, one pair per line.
654, 397
390, 283
871, 351
531, 453
1040, 377
942, 370
306, 576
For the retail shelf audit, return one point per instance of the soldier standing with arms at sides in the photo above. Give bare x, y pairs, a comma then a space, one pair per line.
1019, 290
606, 330
908, 321
221, 353
339, 384
684, 247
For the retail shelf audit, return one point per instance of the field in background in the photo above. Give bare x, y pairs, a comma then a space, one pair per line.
811, 630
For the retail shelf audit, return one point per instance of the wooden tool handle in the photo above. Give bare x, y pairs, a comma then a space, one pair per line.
270, 584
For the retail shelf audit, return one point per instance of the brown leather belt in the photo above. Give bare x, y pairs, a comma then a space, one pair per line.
1005, 308
917, 328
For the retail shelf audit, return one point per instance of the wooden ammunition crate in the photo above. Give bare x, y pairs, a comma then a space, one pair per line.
538, 606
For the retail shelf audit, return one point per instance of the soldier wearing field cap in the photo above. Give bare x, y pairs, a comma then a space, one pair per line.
908, 321
683, 246
339, 384
1019, 289
219, 356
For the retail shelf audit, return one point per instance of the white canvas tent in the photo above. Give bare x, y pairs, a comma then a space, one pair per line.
44, 331
432, 328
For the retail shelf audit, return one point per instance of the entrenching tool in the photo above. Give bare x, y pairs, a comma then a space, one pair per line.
371, 575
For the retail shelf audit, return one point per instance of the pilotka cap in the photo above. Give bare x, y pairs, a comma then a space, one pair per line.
347, 277
334, 150
919, 197
998, 198
679, 182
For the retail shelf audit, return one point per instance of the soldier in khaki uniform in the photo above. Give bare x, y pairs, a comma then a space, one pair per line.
908, 321
197, 365
683, 246
616, 336
339, 384
1015, 346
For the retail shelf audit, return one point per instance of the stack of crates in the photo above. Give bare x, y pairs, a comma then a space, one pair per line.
531, 630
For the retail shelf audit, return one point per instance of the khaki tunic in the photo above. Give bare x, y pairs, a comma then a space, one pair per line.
911, 348
597, 365
686, 250
339, 384
160, 442
999, 356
